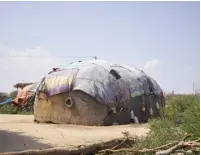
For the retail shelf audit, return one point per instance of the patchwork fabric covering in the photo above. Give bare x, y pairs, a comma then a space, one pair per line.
107, 83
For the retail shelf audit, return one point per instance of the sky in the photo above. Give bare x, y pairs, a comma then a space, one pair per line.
161, 38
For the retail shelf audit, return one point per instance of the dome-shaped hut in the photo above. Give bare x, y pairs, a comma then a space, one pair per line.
97, 93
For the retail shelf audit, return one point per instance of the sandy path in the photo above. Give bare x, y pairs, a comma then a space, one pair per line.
18, 132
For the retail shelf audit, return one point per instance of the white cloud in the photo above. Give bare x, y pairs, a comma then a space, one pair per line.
189, 68
151, 64
152, 68
37, 51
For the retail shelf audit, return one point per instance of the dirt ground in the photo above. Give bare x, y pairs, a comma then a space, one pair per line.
19, 132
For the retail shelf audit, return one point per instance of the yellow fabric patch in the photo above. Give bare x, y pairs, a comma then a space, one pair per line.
54, 82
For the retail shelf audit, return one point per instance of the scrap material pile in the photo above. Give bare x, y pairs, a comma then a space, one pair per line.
97, 93
24, 94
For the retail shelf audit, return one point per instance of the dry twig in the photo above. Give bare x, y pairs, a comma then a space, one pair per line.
181, 144
157, 150
114, 144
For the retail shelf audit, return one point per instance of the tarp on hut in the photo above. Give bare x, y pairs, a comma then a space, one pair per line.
108, 83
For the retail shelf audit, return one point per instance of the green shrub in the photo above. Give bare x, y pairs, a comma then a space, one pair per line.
185, 110
162, 131
13, 109
191, 119
8, 109
182, 115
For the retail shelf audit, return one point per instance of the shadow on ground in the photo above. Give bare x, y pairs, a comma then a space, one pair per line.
15, 141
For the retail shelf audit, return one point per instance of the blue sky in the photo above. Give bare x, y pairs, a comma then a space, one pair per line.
161, 38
